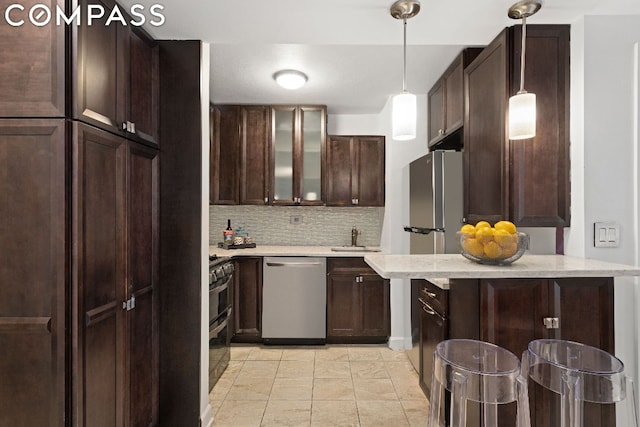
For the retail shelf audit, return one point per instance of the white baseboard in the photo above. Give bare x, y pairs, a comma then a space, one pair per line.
206, 418
400, 343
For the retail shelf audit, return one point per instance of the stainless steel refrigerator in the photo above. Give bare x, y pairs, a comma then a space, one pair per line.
436, 198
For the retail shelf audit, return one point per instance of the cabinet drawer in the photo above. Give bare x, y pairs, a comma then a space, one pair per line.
434, 296
347, 265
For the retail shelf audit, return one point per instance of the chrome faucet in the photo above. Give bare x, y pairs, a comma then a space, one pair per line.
354, 236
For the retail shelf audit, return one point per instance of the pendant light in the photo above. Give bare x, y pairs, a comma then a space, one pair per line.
403, 116
522, 106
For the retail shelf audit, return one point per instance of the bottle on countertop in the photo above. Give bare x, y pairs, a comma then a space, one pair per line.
227, 234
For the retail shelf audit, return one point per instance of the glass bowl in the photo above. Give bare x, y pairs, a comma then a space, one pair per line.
493, 250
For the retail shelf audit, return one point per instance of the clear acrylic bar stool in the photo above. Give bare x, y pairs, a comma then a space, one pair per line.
579, 373
480, 372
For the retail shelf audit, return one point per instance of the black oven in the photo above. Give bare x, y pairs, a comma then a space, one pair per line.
220, 300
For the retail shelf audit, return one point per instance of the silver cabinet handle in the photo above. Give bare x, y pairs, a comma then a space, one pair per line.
551, 322
428, 310
266, 200
429, 294
293, 264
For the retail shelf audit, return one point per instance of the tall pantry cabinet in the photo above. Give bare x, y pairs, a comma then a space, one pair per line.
78, 235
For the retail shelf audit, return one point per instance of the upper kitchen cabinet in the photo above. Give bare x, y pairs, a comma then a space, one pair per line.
32, 65
124, 99
225, 150
526, 181
298, 136
446, 103
354, 172
254, 155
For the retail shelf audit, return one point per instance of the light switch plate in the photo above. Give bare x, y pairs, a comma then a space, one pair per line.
606, 235
295, 219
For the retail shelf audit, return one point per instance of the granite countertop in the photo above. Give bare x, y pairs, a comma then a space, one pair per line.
454, 266
265, 250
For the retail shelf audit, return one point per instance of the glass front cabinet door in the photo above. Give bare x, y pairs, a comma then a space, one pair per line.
298, 146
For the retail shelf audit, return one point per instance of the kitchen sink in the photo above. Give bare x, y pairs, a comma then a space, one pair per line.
355, 249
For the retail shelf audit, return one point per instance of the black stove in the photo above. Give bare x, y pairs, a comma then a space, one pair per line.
220, 309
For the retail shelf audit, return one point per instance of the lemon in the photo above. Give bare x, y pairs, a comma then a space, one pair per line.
481, 224
504, 238
507, 226
492, 250
509, 250
468, 230
484, 234
473, 247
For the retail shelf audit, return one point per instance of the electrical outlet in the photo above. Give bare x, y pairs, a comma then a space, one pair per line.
606, 235
295, 219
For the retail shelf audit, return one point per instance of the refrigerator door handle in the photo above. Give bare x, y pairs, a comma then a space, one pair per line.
422, 230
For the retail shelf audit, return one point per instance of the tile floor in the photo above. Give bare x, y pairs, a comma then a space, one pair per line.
333, 385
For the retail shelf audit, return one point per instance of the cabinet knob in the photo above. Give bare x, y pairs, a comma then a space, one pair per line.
440, 131
266, 200
551, 322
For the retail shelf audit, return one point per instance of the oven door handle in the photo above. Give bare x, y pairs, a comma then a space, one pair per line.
221, 326
218, 289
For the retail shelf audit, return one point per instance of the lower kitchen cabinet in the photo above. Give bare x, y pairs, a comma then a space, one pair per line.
512, 312
247, 300
357, 302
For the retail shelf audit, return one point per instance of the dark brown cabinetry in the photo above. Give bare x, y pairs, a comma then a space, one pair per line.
298, 136
124, 99
247, 304
446, 103
255, 131
357, 302
525, 181
34, 272
225, 154
512, 312
115, 328
354, 171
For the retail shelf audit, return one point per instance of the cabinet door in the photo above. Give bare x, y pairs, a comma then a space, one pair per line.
142, 322
370, 168
436, 111
99, 275
374, 306
343, 304
312, 139
433, 330
254, 158
339, 170
540, 181
225, 158
454, 99
141, 62
100, 95
32, 65
485, 156
247, 304
283, 140
33, 273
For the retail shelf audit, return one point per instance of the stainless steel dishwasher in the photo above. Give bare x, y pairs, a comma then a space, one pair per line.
294, 300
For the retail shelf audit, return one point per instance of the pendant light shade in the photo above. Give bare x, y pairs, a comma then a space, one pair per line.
522, 116
522, 106
404, 116
404, 105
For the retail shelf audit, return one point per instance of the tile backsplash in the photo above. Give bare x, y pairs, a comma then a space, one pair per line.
299, 225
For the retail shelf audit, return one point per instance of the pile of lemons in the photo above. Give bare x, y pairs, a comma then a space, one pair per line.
484, 241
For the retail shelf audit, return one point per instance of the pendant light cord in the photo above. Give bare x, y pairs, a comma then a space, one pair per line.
523, 52
404, 53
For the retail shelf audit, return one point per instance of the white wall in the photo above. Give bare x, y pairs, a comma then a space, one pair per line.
604, 155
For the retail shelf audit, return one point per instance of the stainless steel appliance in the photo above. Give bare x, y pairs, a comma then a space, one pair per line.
294, 300
436, 208
220, 309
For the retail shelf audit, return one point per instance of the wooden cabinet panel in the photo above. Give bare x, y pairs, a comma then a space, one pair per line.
539, 175
354, 172
225, 154
436, 111
485, 157
32, 294
254, 156
142, 322
143, 86
247, 303
99, 275
524, 181
357, 302
32, 65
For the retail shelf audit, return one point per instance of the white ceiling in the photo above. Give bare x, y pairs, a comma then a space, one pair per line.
350, 49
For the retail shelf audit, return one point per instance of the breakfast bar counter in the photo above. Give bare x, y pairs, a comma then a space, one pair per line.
455, 266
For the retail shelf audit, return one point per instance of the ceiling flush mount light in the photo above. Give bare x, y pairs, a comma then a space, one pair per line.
290, 79
403, 116
522, 106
